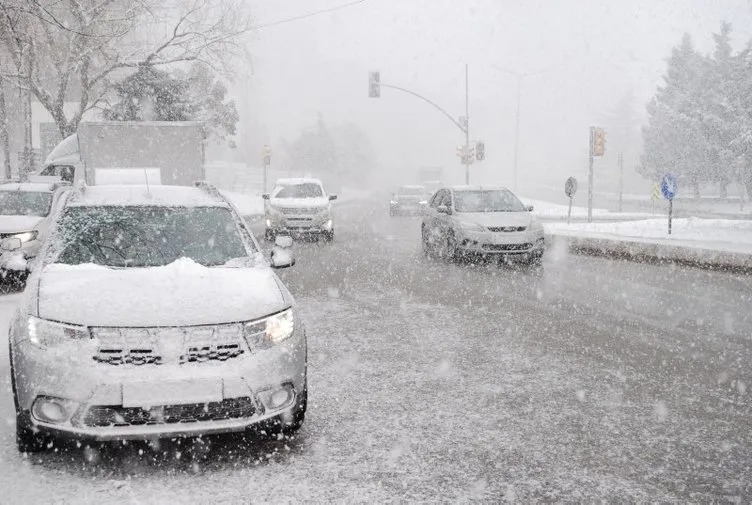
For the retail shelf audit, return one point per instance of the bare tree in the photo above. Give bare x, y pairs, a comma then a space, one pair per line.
70, 52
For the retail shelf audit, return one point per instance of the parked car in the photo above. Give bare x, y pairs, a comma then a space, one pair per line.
408, 200
151, 313
24, 219
299, 207
486, 221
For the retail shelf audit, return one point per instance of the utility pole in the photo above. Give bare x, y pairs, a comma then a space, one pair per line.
590, 177
621, 179
468, 160
517, 129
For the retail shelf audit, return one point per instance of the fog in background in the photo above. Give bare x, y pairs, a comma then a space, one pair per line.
590, 54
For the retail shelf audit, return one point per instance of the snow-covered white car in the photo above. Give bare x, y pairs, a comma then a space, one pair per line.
299, 207
151, 313
487, 221
24, 218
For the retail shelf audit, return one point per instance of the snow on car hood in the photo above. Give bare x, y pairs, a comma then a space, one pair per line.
296, 203
13, 224
182, 293
496, 218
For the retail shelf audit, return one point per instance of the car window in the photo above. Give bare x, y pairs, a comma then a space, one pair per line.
148, 236
487, 201
306, 190
25, 203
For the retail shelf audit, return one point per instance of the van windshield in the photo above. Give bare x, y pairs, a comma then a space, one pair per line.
306, 190
25, 203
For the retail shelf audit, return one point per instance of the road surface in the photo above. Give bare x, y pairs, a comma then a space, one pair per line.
591, 380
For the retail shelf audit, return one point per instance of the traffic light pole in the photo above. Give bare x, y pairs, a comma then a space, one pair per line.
590, 178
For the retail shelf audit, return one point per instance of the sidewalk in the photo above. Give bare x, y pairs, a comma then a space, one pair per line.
708, 243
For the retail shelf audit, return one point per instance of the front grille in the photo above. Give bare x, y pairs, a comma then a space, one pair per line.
101, 416
507, 247
506, 228
156, 346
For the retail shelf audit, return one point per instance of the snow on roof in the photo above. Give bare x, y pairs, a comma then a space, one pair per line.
27, 186
412, 186
140, 195
479, 188
291, 181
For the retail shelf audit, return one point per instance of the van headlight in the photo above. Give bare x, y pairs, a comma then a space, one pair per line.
270, 330
43, 333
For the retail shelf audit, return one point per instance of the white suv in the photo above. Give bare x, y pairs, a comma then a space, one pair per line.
151, 312
299, 207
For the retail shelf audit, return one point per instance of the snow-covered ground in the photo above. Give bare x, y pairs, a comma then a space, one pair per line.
554, 211
247, 204
712, 234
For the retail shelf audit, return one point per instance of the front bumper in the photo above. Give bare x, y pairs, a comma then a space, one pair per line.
501, 243
18, 261
120, 402
300, 225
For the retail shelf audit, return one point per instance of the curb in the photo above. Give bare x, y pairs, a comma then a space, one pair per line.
650, 252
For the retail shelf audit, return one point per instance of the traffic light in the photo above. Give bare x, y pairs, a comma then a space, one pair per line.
266, 154
599, 141
374, 85
480, 151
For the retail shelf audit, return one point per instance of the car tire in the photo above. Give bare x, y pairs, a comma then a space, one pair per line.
535, 259
328, 236
27, 440
287, 424
269, 235
450, 248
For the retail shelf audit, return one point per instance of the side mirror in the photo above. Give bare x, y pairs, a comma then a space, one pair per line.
11, 244
332, 197
281, 258
530, 208
443, 209
265, 196
283, 241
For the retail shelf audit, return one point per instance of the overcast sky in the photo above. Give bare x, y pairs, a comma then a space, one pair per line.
591, 53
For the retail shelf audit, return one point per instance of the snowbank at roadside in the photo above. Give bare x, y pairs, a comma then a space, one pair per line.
247, 204
553, 211
703, 242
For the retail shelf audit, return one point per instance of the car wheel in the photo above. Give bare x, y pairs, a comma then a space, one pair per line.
289, 423
535, 259
426, 245
450, 248
328, 236
270, 235
27, 440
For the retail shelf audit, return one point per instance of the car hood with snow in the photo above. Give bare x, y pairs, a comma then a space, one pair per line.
183, 293
16, 224
496, 219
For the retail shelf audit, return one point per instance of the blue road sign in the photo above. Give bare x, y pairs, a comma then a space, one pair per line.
668, 186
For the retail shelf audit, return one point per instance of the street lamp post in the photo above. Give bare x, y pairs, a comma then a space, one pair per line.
520, 76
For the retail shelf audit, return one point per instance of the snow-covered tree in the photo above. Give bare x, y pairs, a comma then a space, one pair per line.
74, 50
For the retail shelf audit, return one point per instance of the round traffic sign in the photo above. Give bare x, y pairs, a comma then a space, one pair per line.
570, 187
668, 186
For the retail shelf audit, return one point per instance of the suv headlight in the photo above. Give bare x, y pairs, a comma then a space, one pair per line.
270, 330
44, 333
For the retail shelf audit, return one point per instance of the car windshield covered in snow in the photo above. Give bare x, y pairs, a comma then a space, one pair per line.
149, 236
501, 200
305, 190
25, 203
411, 191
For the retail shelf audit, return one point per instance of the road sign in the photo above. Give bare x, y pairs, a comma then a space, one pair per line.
668, 186
570, 187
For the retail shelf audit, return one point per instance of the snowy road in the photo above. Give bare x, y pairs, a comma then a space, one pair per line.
431, 381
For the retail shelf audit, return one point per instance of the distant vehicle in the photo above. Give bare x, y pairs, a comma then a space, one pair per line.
299, 207
24, 219
152, 313
130, 152
485, 221
408, 200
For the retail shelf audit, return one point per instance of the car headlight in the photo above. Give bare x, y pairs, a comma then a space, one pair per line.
26, 236
269, 331
469, 226
44, 333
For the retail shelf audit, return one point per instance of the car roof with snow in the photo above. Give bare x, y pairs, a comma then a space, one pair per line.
292, 181
479, 188
34, 187
412, 186
146, 196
